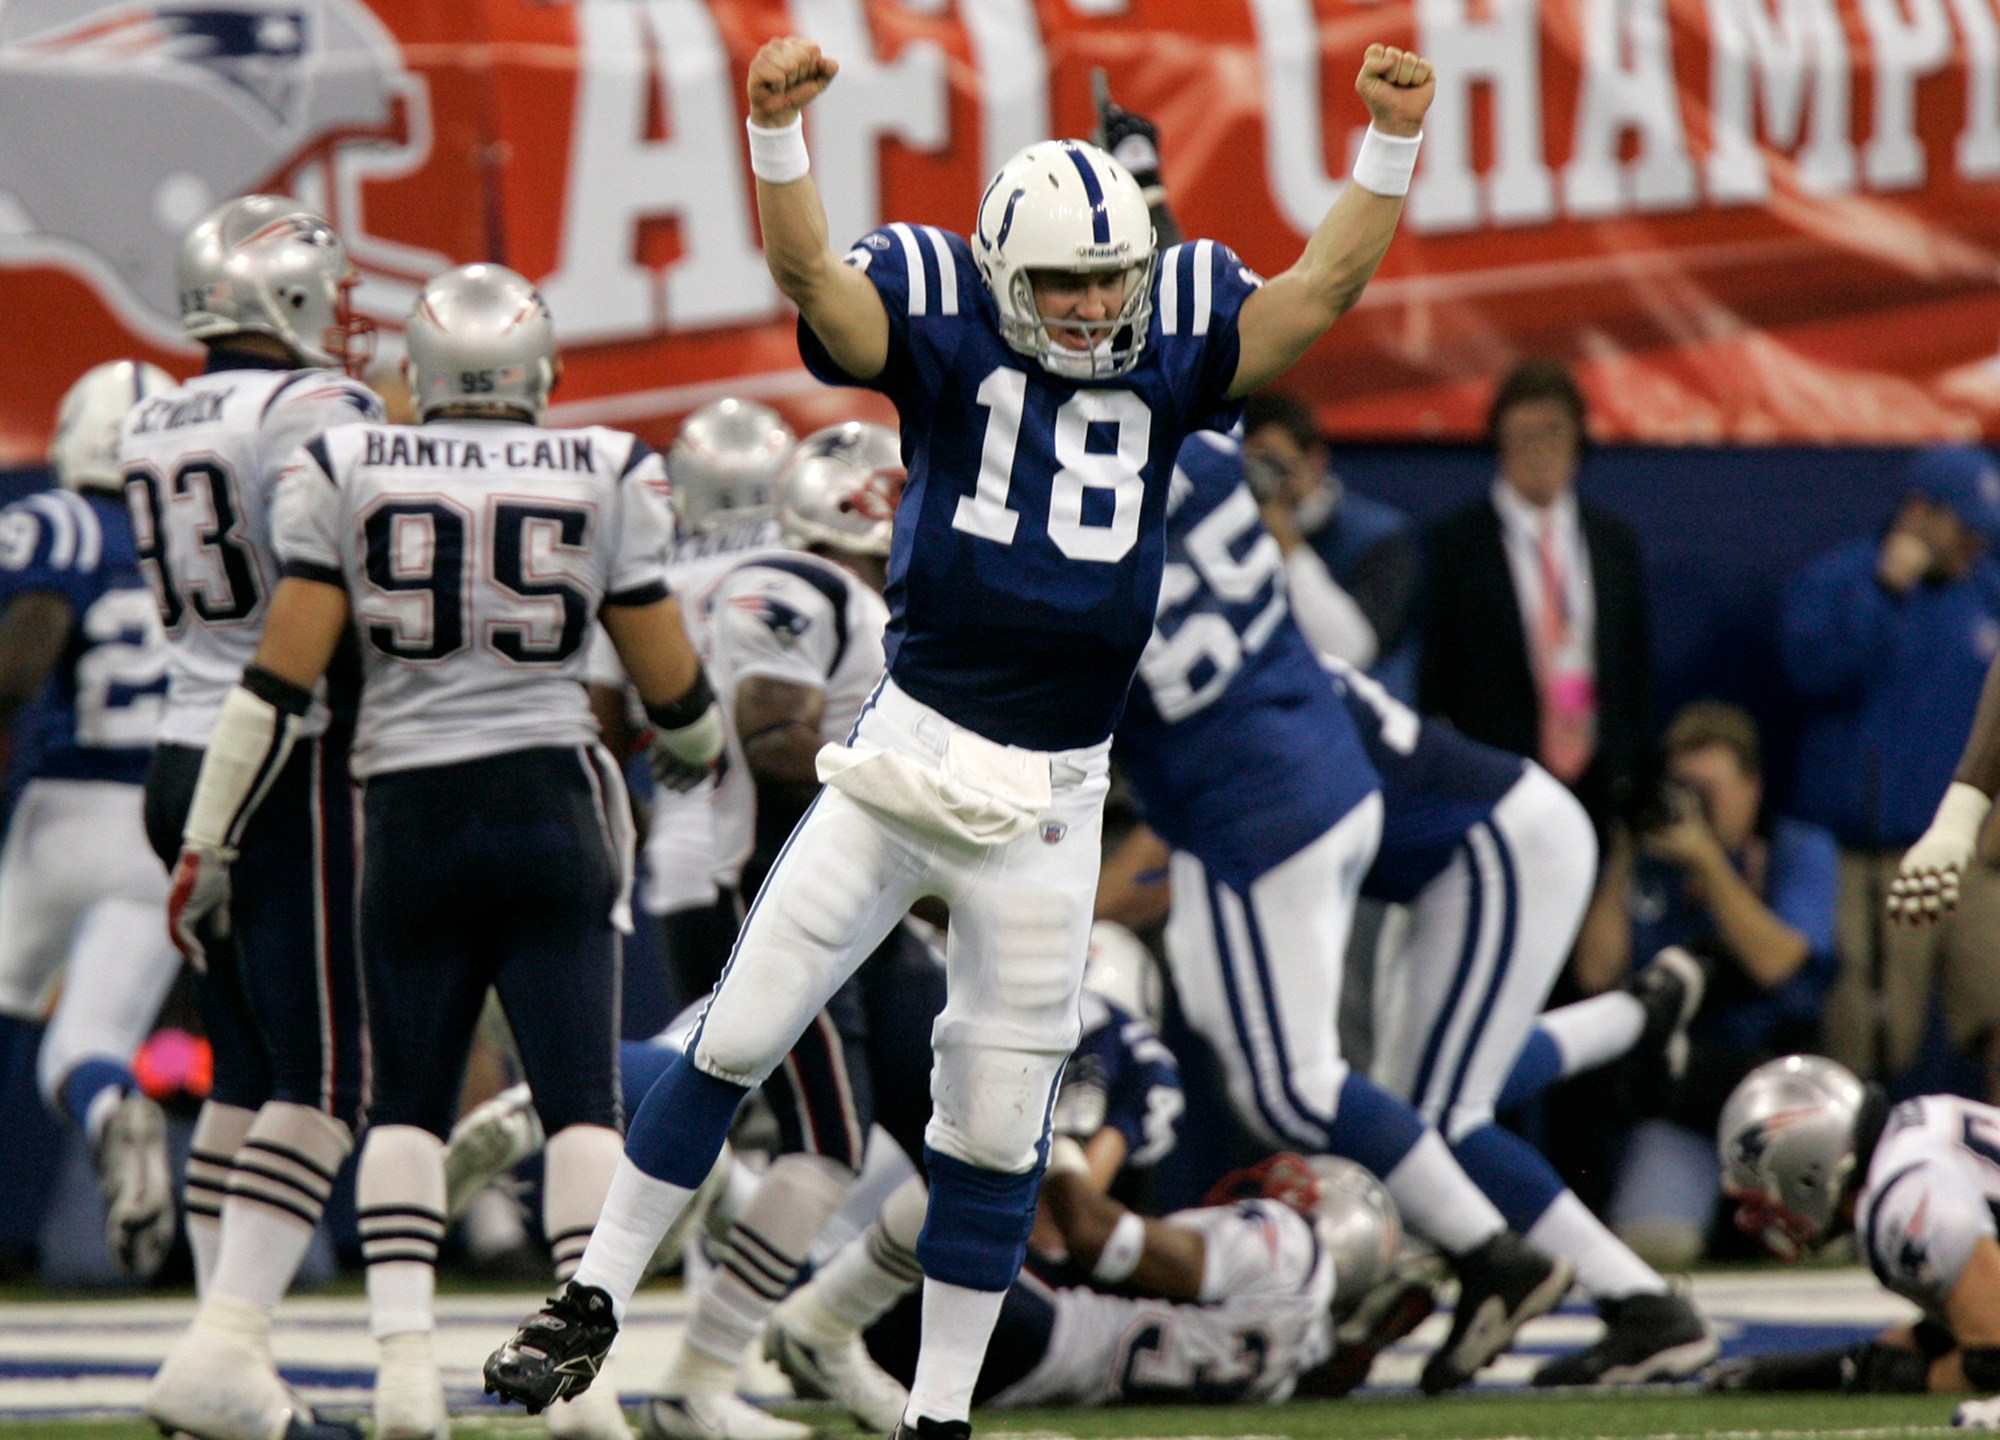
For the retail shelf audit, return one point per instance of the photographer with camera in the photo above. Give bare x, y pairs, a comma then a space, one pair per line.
1752, 897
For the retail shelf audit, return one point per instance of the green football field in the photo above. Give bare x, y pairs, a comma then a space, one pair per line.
1666, 1416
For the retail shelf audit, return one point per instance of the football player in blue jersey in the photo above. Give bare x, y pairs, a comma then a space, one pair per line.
1045, 372
83, 669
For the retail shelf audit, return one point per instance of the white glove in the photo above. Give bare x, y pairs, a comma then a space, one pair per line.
1977, 1414
198, 901
1926, 885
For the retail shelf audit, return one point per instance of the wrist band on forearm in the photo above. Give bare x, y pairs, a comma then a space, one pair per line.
1121, 1253
1384, 163
778, 157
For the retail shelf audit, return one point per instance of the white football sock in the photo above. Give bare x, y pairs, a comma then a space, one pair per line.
761, 1258
1605, 1265
958, 1324
637, 1211
864, 1281
576, 1178
218, 1135
1438, 1199
1596, 1031
277, 1189
399, 1193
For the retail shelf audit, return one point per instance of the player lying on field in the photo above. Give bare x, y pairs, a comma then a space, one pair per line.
1810, 1154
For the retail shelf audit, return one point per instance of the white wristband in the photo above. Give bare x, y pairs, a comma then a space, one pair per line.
1120, 1256
1385, 163
778, 157
1962, 812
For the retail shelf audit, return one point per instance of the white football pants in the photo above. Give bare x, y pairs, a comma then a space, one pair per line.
1259, 975
1020, 928
1486, 940
83, 899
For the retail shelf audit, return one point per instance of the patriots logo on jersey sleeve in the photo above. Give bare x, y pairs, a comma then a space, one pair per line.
787, 623
1911, 1256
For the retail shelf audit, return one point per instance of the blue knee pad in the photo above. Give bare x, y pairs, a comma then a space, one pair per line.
640, 1064
976, 1230
1372, 1127
1520, 1183
679, 1127
1539, 1065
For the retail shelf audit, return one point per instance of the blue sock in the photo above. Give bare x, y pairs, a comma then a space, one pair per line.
1539, 1066
87, 1080
640, 1063
1372, 1127
1519, 1182
679, 1127
976, 1231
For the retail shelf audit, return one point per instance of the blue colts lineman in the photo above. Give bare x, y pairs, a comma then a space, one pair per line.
83, 673
1045, 374
1245, 762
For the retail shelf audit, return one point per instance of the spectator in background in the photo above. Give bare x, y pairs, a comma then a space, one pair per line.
1535, 633
1887, 641
1752, 898
1352, 564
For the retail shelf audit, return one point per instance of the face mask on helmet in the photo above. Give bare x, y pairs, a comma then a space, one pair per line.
481, 341
266, 265
1068, 212
725, 464
84, 450
841, 489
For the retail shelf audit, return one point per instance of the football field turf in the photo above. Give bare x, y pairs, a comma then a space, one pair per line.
76, 1368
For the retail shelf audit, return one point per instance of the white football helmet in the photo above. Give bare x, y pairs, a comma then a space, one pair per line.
1122, 970
480, 338
1358, 1224
1066, 205
84, 450
1787, 1140
267, 265
725, 464
841, 487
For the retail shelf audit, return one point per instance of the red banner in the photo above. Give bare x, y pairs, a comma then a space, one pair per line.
1740, 219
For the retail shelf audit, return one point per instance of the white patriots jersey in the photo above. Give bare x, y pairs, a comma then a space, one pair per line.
1931, 1195
476, 555
784, 615
1263, 1321
200, 464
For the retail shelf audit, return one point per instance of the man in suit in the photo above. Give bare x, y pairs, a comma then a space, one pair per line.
1535, 636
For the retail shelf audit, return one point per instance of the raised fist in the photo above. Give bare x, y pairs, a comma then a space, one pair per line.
787, 75
1396, 85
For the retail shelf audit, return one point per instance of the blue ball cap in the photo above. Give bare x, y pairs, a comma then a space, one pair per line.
1965, 479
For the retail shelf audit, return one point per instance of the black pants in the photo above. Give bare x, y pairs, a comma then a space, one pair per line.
498, 872
281, 1000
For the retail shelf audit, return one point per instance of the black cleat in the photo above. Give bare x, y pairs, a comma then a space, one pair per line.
929, 1429
1501, 1286
557, 1353
1382, 1317
1670, 988
1646, 1338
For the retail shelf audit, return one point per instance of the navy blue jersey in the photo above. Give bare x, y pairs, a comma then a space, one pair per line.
1436, 785
1029, 539
95, 718
1121, 1075
1236, 747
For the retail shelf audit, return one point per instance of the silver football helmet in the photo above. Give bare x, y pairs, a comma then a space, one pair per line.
841, 487
1121, 969
1358, 1224
1787, 1140
480, 339
267, 265
84, 449
1067, 205
725, 464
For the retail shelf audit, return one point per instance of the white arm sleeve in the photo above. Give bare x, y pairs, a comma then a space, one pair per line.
772, 624
645, 531
1332, 622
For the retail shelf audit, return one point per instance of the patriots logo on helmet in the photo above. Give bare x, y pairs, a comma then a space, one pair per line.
171, 108
1053, 832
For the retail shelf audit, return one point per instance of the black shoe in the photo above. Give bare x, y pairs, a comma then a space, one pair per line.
557, 1353
1670, 988
1646, 1338
1501, 1286
929, 1429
